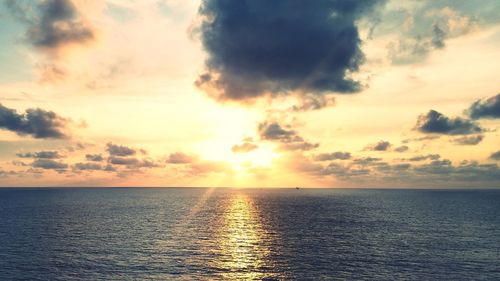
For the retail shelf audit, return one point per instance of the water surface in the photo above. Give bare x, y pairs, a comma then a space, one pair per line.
249, 234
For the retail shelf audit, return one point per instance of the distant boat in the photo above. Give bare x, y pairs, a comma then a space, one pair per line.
297, 187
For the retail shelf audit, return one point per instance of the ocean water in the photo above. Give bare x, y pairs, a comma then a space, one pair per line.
249, 234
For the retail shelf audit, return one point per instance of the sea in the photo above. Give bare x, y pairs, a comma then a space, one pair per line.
249, 234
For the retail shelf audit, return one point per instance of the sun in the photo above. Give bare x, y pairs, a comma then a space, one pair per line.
263, 156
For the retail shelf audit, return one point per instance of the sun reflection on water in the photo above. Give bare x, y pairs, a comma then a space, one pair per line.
242, 246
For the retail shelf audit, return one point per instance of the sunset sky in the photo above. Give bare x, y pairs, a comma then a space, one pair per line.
250, 93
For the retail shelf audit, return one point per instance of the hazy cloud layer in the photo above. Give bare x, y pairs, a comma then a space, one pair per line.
119, 150
259, 47
87, 167
469, 140
402, 148
313, 102
374, 171
495, 155
425, 157
289, 139
274, 131
488, 108
181, 158
244, 147
94, 157
49, 164
435, 122
333, 156
425, 30
35, 122
41, 154
380, 146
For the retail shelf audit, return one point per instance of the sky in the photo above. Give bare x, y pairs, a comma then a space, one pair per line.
250, 93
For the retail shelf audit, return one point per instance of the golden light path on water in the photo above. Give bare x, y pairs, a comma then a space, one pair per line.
241, 242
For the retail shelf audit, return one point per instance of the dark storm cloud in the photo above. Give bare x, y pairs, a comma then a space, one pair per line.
244, 147
94, 157
52, 24
489, 108
469, 140
332, 156
36, 122
119, 150
181, 158
41, 155
260, 46
435, 122
380, 146
495, 155
49, 164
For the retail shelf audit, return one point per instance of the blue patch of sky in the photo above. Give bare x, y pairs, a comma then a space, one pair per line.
15, 66
119, 13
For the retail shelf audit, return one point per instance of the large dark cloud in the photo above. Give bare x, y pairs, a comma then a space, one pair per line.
36, 122
257, 47
435, 122
489, 108
53, 24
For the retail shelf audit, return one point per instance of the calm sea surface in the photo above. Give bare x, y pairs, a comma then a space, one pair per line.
252, 234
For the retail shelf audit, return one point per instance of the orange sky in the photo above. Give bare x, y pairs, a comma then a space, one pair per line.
163, 93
